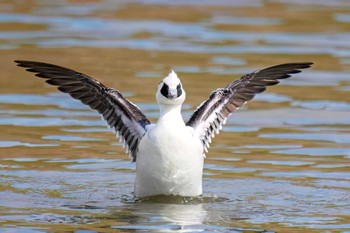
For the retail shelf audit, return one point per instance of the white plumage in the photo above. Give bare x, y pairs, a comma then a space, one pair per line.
170, 158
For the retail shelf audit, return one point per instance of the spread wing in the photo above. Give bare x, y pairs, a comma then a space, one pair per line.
124, 117
212, 114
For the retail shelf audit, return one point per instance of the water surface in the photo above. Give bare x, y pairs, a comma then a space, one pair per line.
280, 165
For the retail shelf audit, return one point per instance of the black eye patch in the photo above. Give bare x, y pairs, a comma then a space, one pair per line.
165, 90
179, 90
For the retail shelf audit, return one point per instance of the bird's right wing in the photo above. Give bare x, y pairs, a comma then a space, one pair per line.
212, 114
123, 116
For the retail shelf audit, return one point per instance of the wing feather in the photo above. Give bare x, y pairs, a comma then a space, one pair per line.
127, 120
208, 119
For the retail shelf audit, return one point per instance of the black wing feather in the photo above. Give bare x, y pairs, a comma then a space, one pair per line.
123, 116
212, 114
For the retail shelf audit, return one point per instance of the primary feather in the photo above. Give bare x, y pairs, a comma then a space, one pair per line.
123, 116
212, 114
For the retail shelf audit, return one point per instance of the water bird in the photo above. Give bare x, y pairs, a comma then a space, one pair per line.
169, 154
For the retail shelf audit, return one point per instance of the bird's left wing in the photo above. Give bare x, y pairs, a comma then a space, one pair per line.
123, 116
212, 114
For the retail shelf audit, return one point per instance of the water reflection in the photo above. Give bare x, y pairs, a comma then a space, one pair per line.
164, 217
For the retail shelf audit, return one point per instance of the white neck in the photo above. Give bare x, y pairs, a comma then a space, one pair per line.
170, 113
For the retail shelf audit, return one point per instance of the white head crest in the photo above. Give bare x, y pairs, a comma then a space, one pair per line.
170, 90
172, 80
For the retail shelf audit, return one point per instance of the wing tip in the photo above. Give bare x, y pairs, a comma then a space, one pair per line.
30, 65
304, 65
21, 63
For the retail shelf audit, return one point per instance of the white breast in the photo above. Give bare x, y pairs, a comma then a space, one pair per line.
169, 162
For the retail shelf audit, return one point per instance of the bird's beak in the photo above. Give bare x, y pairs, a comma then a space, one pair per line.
172, 94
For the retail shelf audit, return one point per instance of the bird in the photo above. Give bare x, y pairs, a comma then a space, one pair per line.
169, 153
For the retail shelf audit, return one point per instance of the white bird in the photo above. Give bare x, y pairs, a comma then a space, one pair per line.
168, 154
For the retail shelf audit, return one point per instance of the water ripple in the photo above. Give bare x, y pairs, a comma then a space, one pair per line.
65, 31
26, 144
332, 137
70, 138
316, 151
48, 121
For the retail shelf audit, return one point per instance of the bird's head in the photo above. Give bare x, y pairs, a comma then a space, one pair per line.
170, 90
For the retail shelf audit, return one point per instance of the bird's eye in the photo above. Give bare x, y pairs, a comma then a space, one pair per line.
179, 90
165, 90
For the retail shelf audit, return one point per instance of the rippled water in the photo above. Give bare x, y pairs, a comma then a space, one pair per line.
280, 165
